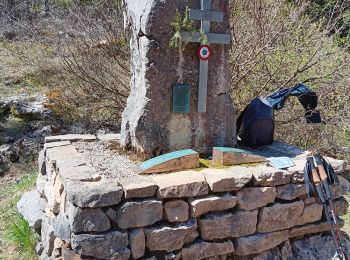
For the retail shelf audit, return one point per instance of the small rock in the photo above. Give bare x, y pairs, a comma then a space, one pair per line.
176, 211
312, 228
39, 248
212, 203
291, 191
341, 206
228, 225
47, 235
138, 187
173, 256
32, 207
87, 220
181, 184
297, 171
316, 247
62, 228
340, 189
41, 162
279, 216
139, 213
311, 213
259, 242
111, 214
204, 250
46, 130
231, 179
137, 243
105, 245
252, 198
103, 193
79, 173
339, 166
41, 183
68, 254
270, 176
166, 238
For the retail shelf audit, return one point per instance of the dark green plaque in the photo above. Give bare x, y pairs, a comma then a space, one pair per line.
181, 98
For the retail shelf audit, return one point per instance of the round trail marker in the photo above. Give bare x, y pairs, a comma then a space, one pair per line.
204, 52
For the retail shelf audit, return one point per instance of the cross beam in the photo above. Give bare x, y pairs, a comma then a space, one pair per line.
205, 15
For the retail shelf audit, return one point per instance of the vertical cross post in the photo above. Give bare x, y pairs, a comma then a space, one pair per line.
205, 15
204, 65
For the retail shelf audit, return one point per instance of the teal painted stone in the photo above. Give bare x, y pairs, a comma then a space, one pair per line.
224, 156
232, 150
179, 160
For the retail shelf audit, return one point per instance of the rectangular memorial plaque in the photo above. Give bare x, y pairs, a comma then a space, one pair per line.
181, 98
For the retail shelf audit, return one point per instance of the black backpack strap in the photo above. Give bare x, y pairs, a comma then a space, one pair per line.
240, 120
332, 176
307, 173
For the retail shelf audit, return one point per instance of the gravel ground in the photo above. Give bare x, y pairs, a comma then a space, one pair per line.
108, 163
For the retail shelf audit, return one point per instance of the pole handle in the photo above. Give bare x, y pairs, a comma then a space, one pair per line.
315, 178
322, 172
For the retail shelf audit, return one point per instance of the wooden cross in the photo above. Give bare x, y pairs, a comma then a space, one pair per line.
205, 15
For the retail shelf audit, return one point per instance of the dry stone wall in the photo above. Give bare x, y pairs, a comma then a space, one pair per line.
233, 212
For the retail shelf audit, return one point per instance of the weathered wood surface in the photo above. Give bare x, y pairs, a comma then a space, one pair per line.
225, 156
175, 161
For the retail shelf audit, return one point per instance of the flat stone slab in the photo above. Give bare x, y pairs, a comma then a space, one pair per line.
137, 242
70, 162
228, 225
175, 161
170, 238
278, 149
138, 187
270, 176
87, 220
291, 191
93, 194
70, 137
205, 250
224, 156
258, 243
231, 179
80, 173
212, 203
311, 213
139, 213
108, 138
252, 198
181, 184
104, 245
176, 211
61, 152
312, 228
56, 144
279, 216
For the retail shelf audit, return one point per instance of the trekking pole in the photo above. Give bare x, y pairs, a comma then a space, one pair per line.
320, 178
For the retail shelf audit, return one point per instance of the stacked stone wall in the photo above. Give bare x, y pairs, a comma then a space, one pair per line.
236, 211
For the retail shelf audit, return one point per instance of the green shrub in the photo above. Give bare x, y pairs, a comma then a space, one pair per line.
19, 233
